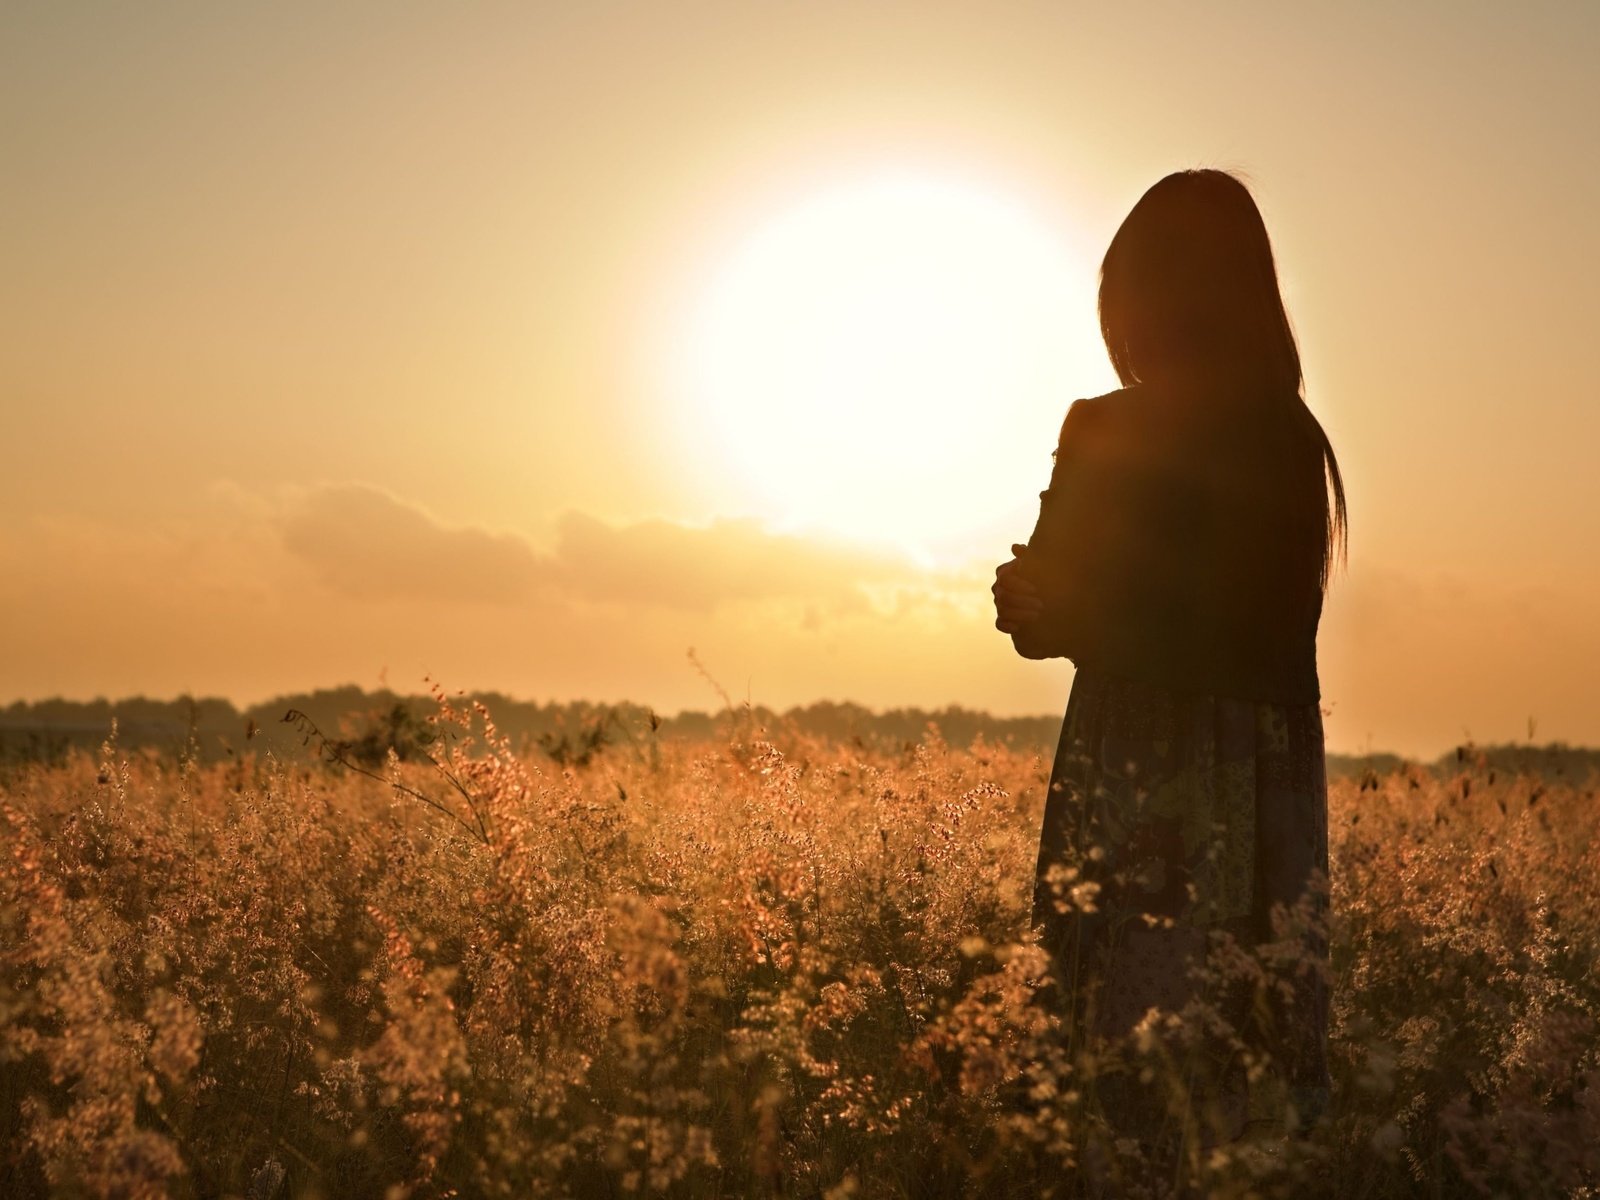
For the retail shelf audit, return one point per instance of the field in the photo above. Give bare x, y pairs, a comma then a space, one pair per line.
758, 964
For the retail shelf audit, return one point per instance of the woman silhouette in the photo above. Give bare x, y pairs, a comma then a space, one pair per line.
1180, 558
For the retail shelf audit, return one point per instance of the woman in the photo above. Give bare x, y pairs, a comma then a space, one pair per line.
1180, 558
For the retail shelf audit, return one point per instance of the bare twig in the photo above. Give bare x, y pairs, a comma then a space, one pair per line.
332, 751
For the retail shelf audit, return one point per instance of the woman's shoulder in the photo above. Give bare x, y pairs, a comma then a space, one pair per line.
1111, 423
1114, 402
1089, 414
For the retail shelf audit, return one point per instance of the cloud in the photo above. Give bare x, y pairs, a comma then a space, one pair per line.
701, 567
253, 593
367, 544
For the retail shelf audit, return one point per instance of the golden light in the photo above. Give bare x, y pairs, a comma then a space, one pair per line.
890, 358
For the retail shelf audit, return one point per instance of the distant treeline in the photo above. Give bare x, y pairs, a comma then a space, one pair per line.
367, 724
212, 728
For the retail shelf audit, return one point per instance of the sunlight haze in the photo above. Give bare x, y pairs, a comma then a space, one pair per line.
531, 346
873, 358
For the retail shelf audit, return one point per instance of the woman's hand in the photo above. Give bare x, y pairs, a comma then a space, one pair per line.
1016, 598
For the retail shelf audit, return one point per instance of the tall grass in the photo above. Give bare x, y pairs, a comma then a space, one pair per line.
764, 965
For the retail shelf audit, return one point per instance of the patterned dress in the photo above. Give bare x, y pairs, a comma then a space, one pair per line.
1191, 816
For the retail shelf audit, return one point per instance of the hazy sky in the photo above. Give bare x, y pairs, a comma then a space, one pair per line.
531, 345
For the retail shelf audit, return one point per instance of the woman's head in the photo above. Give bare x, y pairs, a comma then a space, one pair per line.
1189, 294
1189, 290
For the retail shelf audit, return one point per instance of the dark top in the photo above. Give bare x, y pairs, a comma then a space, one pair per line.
1180, 543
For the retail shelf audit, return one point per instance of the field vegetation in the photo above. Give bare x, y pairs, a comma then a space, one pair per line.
759, 963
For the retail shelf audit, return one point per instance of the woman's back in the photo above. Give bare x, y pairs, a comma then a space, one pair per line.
1182, 534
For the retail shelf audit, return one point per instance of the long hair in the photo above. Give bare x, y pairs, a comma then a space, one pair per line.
1189, 290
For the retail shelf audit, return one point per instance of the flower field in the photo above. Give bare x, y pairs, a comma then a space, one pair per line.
754, 965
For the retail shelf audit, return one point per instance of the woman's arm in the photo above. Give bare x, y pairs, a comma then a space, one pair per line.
1047, 583
1019, 605
1031, 631
1016, 598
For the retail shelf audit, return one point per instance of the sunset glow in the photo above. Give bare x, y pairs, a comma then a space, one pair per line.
528, 346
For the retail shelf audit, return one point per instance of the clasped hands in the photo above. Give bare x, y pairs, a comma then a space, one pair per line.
1017, 598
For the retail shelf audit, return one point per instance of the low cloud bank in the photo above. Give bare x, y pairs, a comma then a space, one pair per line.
252, 595
368, 544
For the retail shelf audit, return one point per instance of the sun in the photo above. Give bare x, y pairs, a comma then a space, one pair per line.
888, 359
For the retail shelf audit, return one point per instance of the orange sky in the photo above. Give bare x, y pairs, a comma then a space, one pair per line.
359, 343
